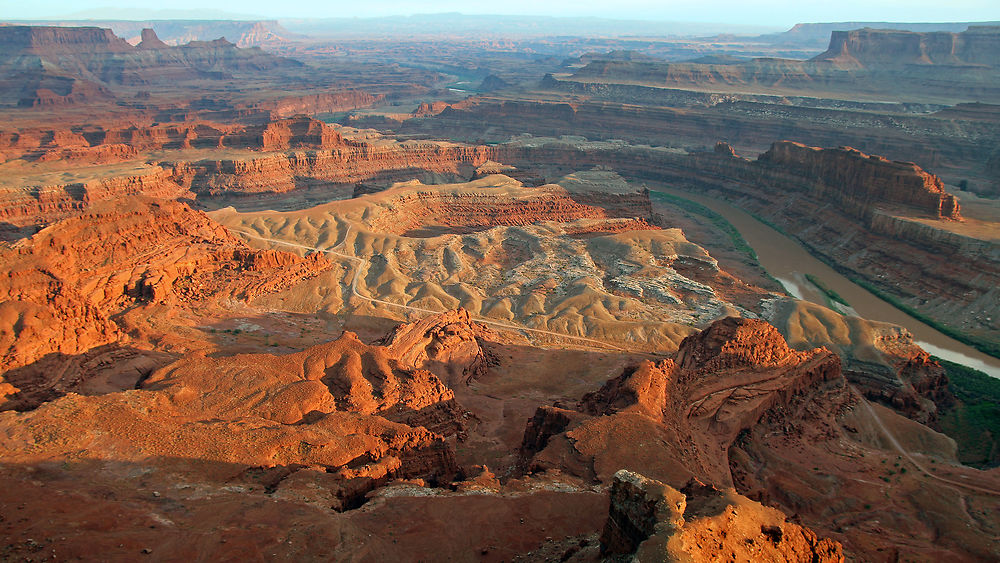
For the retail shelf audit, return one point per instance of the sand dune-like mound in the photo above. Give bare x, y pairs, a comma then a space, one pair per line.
584, 262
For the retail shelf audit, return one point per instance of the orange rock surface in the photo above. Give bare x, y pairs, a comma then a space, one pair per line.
656, 522
101, 278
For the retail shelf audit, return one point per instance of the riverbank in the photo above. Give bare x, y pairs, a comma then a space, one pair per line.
786, 259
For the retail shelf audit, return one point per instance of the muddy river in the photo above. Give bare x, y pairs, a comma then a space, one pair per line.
789, 262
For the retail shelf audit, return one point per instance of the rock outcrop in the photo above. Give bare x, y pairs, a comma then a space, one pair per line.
885, 222
651, 521
854, 181
300, 152
407, 209
35, 207
690, 409
44, 40
275, 134
244, 33
85, 281
348, 163
905, 65
394, 381
446, 344
366, 414
956, 142
149, 40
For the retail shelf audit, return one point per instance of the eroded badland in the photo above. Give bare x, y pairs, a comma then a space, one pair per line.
308, 296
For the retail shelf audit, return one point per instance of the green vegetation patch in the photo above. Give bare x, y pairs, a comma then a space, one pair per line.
974, 423
981, 344
985, 346
717, 220
830, 294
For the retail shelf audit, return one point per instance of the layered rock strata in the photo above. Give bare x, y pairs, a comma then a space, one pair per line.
737, 408
978, 45
313, 155
958, 143
44, 145
576, 262
346, 164
858, 182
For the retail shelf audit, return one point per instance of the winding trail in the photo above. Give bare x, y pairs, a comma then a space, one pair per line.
362, 263
899, 448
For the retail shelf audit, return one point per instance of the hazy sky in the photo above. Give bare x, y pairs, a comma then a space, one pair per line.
754, 12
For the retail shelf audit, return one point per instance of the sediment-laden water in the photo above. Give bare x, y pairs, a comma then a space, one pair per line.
789, 262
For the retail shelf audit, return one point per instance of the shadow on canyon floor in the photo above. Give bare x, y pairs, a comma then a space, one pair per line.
101, 370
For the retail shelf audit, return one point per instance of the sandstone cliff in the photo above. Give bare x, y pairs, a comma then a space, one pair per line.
978, 45
880, 220
736, 407
96, 145
857, 182
908, 66
348, 163
299, 152
44, 205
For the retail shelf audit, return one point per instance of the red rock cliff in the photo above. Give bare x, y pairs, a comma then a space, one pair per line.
46, 40
853, 178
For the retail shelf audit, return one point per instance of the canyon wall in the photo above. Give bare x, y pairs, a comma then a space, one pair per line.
857, 211
25, 210
346, 164
409, 210
855, 181
907, 66
852, 214
44, 40
47, 65
843, 176
978, 45
100, 145
957, 143
178, 32
276, 156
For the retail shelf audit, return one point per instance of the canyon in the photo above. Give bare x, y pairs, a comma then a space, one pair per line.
310, 297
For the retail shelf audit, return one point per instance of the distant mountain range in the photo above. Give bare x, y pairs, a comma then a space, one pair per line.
177, 27
817, 35
242, 33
